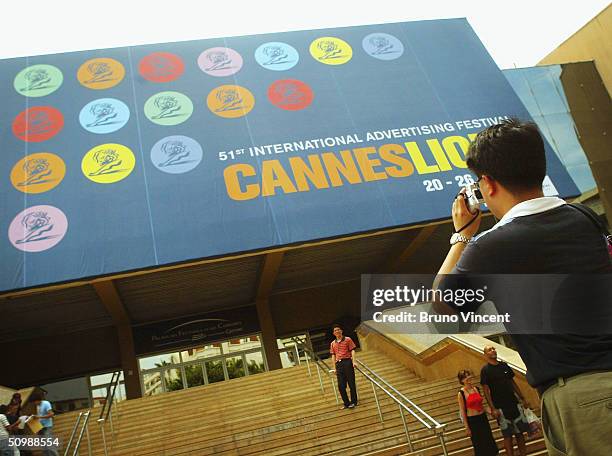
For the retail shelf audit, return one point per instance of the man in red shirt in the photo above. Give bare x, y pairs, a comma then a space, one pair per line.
342, 350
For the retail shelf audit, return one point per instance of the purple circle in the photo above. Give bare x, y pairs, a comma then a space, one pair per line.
220, 61
38, 228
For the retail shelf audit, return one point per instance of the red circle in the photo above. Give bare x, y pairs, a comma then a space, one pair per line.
161, 67
290, 94
38, 123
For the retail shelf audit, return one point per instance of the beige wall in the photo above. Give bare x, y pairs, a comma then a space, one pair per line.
591, 42
442, 361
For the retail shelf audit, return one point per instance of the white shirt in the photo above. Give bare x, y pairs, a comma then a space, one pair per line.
3, 423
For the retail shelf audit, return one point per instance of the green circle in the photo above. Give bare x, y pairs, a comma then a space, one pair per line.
168, 108
38, 80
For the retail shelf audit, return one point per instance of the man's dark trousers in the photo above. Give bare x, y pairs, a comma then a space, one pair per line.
345, 372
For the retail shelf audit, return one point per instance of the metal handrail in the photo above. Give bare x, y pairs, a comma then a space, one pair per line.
84, 431
392, 388
434, 426
107, 409
318, 362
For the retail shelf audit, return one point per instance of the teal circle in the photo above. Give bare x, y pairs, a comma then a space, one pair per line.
277, 56
168, 108
38, 80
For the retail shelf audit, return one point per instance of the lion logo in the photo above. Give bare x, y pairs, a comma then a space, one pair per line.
36, 224
107, 161
103, 114
36, 79
230, 99
100, 72
220, 60
176, 153
168, 106
381, 45
36, 170
330, 49
276, 55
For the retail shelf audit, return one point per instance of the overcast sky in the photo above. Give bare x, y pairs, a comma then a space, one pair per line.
520, 32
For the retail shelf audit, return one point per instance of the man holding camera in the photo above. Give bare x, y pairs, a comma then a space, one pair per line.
540, 235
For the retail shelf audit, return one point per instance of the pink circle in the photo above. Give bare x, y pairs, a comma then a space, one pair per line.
220, 61
38, 228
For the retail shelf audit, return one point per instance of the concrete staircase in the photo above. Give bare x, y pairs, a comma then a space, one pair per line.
284, 413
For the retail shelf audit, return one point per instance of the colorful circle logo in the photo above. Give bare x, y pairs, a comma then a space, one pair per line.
277, 56
168, 108
38, 80
161, 67
38, 173
176, 154
383, 46
38, 228
290, 94
220, 61
331, 50
104, 115
108, 163
230, 101
101, 73
38, 123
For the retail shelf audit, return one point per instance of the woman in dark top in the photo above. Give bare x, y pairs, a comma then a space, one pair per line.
474, 417
14, 408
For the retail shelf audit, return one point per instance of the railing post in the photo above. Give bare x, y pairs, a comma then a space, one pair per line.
297, 355
320, 380
101, 423
88, 437
307, 363
110, 417
443, 442
406, 428
377, 403
331, 378
72, 434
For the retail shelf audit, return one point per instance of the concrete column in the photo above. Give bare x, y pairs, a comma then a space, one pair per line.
268, 334
129, 363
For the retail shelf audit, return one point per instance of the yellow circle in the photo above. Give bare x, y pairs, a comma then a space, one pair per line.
230, 101
38, 173
101, 73
108, 163
331, 51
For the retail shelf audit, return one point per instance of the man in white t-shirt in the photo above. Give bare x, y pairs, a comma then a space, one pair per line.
5, 427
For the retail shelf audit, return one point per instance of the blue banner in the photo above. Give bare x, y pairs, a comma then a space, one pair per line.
122, 159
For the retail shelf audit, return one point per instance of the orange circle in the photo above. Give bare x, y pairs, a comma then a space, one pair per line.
230, 101
101, 73
38, 173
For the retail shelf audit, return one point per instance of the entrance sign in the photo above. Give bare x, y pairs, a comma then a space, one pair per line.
181, 151
198, 330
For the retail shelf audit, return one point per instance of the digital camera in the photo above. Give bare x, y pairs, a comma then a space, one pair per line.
473, 197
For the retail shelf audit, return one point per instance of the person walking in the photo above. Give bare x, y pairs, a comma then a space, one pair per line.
501, 391
474, 416
342, 350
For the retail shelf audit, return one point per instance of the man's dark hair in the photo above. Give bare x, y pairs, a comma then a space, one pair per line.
36, 397
3, 409
512, 153
336, 325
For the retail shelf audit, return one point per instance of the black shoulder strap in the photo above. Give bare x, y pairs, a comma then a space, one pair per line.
463, 396
587, 211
